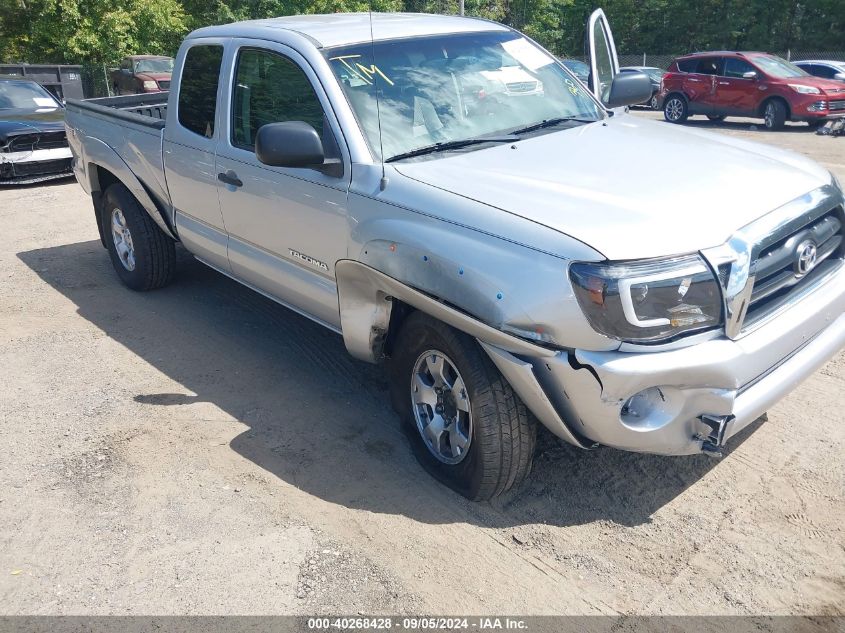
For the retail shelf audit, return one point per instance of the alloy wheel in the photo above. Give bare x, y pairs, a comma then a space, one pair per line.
441, 407
674, 109
122, 239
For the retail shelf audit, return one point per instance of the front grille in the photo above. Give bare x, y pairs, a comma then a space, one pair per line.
777, 271
164, 85
836, 106
32, 142
37, 168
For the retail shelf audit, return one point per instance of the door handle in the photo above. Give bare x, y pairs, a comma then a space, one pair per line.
724, 83
230, 178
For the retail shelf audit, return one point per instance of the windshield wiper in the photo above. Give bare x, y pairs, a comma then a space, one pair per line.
551, 123
447, 145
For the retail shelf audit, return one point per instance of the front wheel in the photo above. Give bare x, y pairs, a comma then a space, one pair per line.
774, 115
652, 103
466, 425
675, 109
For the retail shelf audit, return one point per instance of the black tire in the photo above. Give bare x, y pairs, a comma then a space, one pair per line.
716, 117
675, 109
154, 253
503, 434
774, 114
653, 102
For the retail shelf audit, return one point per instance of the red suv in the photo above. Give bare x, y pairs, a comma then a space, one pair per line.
724, 84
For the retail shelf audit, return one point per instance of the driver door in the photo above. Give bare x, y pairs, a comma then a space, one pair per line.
604, 63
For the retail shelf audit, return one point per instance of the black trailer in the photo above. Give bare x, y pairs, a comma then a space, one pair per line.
65, 82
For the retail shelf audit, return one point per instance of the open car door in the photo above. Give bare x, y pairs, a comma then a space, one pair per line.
604, 64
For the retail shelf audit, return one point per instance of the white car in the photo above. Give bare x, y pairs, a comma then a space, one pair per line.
826, 68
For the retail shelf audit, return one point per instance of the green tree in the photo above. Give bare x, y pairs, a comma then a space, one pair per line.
79, 31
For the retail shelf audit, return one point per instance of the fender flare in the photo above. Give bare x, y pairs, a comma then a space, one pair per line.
365, 298
99, 154
365, 301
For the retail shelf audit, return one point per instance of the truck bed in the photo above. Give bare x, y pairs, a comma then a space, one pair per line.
123, 132
148, 110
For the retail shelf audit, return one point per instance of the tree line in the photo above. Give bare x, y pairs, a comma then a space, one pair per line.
103, 31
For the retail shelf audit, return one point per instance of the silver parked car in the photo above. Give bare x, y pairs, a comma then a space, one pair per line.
450, 199
827, 68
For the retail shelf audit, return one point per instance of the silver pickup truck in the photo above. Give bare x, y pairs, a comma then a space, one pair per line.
515, 246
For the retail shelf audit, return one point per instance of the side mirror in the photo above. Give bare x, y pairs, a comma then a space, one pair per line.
751, 74
839, 76
629, 89
289, 144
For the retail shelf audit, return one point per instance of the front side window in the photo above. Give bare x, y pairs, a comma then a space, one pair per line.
270, 88
820, 71
777, 67
737, 67
440, 89
198, 89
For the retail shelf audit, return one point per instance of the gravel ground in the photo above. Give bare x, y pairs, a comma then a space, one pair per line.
200, 449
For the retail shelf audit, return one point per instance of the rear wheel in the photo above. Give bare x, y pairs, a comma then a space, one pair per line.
466, 425
774, 115
143, 256
675, 109
652, 103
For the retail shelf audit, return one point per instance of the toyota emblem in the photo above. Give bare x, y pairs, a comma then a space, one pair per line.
806, 258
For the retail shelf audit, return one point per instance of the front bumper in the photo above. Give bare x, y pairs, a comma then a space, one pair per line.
22, 168
588, 395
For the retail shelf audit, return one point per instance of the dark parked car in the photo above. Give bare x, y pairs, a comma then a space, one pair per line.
720, 84
578, 68
656, 77
142, 73
825, 68
33, 145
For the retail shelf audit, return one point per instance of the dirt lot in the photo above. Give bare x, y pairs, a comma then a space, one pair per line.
200, 449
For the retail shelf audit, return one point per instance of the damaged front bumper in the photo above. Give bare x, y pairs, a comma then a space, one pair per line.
682, 401
27, 167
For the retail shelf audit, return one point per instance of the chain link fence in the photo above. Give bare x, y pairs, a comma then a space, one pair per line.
96, 81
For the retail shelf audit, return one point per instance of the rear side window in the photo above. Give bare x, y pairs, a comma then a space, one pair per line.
710, 66
687, 65
198, 89
737, 67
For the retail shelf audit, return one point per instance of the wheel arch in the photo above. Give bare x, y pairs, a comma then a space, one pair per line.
104, 167
676, 93
373, 306
762, 107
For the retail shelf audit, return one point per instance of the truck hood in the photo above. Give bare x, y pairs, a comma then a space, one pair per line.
630, 188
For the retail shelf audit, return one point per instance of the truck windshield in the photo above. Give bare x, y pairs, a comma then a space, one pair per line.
25, 95
154, 66
447, 89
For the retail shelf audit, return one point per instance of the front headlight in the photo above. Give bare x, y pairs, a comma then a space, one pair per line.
805, 90
150, 85
648, 301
